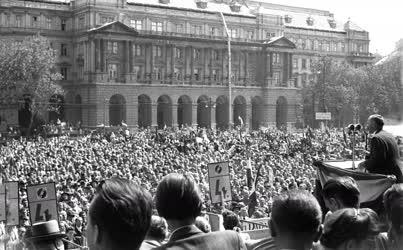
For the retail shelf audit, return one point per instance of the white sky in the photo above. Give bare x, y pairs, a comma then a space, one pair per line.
382, 19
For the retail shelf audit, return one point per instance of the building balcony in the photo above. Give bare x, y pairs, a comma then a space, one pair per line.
197, 36
361, 54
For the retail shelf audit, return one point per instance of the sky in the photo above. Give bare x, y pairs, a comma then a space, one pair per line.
382, 19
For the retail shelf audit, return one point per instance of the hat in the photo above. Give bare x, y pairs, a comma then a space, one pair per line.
44, 231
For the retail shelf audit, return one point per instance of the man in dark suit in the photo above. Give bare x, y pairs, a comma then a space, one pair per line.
384, 153
178, 200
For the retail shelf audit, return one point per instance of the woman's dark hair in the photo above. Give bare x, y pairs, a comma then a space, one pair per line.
349, 223
178, 197
393, 201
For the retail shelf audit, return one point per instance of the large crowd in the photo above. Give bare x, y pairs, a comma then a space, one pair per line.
78, 164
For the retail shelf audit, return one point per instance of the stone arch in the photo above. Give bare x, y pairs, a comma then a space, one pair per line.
257, 112
164, 111
144, 111
239, 109
117, 110
56, 108
222, 112
184, 111
281, 112
204, 106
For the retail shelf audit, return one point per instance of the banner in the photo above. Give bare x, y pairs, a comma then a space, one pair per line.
371, 186
42, 202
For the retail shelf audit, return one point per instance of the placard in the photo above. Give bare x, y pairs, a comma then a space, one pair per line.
323, 116
12, 198
42, 202
3, 213
220, 183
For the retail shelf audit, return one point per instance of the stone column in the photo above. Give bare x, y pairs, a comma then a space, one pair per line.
174, 115
92, 55
97, 54
194, 114
212, 117
206, 70
154, 115
192, 64
173, 54
248, 119
127, 56
167, 68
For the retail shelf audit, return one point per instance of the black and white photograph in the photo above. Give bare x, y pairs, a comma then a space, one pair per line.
201, 124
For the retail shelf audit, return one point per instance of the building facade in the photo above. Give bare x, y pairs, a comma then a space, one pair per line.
165, 62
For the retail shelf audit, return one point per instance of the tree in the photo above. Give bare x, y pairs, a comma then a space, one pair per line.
27, 74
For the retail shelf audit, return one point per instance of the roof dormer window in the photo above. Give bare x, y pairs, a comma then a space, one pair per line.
309, 21
287, 18
332, 23
201, 4
235, 7
164, 1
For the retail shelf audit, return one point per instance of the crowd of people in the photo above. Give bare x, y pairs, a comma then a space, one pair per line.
281, 160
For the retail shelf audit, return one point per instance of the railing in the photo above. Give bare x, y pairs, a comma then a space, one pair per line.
363, 54
39, 5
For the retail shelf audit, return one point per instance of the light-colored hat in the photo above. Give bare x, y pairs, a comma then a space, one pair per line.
44, 230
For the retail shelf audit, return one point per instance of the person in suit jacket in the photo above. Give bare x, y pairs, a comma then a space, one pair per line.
179, 201
383, 157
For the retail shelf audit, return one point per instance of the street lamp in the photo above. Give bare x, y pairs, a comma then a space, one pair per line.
105, 101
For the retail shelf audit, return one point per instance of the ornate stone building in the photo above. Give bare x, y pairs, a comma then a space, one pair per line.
165, 62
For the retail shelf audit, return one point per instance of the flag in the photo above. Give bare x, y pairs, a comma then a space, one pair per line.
249, 175
371, 186
253, 197
124, 124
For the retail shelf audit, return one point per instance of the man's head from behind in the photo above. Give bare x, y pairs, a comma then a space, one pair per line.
375, 123
296, 216
119, 215
178, 198
341, 192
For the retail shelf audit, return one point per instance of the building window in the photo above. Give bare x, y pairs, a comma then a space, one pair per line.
215, 55
138, 70
137, 50
35, 21
113, 71
49, 22
320, 45
276, 58
326, 46
303, 63
179, 28
215, 74
196, 73
63, 24
276, 78
80, 49
136, 24
81, 22
178, 53
6, 20
270, 34
158, 73
157, 51
308, 44
18, 21
251, 34
315, 45
196, 29
196, 54
80, 72
295, 63
178, 73
233, 33
63, 49
213, 31
112, 47
63, 72
156, 26
342, 47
